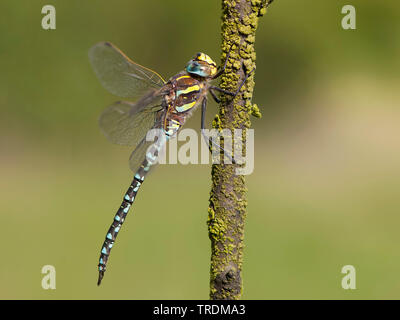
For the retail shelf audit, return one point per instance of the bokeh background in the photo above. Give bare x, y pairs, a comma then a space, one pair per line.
326, 187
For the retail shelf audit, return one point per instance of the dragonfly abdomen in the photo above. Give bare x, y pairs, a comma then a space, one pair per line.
120, 216
129, 198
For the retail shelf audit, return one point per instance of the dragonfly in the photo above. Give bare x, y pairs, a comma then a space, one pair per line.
158, 104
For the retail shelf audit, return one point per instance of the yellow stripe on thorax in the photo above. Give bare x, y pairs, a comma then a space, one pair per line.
188, 90
183, 77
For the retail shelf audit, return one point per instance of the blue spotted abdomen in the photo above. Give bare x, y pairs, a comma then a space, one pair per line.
126, 204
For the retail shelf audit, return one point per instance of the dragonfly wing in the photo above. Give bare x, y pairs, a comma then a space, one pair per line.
119, 74
139, 154
125, 124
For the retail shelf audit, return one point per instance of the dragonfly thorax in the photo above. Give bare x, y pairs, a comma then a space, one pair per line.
202, 65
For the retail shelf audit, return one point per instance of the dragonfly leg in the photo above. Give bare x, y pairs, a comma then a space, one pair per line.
208, 139
222, 70
216, 99
230, 93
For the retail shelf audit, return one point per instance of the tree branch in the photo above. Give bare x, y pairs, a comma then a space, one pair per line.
228, 202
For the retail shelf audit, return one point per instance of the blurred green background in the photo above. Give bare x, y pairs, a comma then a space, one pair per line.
326, 187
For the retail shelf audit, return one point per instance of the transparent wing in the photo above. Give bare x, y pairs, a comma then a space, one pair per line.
139, 154
127, 123
120, 75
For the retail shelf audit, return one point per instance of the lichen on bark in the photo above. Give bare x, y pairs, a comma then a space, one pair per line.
228, 202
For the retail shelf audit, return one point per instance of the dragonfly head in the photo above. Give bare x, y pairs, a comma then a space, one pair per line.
202, 65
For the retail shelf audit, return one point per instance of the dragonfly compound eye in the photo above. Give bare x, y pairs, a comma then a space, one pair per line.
198, 68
